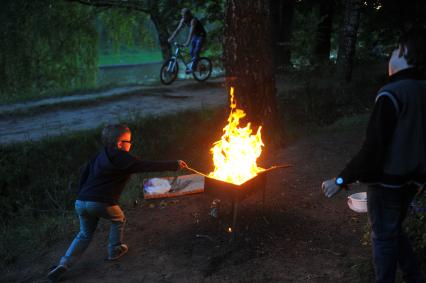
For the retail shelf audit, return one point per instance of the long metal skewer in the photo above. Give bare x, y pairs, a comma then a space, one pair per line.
197, 172
270, 168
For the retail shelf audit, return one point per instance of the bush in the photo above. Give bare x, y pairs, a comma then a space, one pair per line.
47, 46
319, 100
416, 225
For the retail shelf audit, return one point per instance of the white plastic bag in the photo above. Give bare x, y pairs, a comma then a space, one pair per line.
157, 186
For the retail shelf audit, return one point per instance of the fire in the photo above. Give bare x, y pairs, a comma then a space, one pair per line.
235, 155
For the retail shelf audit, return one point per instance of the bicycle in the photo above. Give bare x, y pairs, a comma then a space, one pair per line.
170, 68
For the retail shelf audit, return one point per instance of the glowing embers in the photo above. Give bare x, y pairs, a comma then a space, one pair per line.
235, 155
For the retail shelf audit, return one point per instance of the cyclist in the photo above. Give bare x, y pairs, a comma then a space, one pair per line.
196, 36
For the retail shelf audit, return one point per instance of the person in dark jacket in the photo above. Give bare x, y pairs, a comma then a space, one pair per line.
101, 184
196, 36
392, 159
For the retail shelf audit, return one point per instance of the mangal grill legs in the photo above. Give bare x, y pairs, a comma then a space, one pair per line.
236, 193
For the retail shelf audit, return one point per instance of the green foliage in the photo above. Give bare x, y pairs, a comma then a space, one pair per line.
50, 48
305, 27
377, 34
211, 14
126, 37
46, 46
122, 28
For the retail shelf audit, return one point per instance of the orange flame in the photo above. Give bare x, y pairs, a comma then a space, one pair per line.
235, 155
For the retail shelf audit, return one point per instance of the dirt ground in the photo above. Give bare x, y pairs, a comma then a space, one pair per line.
300, 237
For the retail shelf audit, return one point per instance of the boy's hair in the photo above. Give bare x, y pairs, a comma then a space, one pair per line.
414, 41
112, 133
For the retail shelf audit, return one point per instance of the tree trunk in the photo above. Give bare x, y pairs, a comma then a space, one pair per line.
282, 13
248, 62
324, 30
286, 31
274, 7
348, 37
163, 35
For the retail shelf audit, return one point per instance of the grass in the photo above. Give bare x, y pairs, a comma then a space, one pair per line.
355, 121
127, 58
141, 57
37, 95
38, 179
41, 232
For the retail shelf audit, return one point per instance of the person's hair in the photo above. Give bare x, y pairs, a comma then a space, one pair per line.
186, 12
414, 41
112, 133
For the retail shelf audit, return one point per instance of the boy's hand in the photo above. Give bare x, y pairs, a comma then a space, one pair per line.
330, 188
182, 164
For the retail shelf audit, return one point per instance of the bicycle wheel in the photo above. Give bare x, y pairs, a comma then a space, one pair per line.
203, 70
169, 71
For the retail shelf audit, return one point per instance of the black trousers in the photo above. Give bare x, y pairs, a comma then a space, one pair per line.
387, 209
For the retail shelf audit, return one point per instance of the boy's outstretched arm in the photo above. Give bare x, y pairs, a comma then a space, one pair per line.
130, 164
153, 166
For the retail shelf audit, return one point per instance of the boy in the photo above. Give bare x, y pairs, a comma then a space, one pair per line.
101, 184
197, 36
392, 159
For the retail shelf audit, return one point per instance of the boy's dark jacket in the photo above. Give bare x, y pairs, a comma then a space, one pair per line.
105, 176
394, 151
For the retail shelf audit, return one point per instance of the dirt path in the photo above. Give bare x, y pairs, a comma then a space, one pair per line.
72, 98
143, 101
301, 237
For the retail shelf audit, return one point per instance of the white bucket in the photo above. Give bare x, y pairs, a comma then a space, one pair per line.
358, 202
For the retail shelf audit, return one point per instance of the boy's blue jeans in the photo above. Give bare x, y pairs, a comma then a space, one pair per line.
196, 45
89, 213
387, 209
